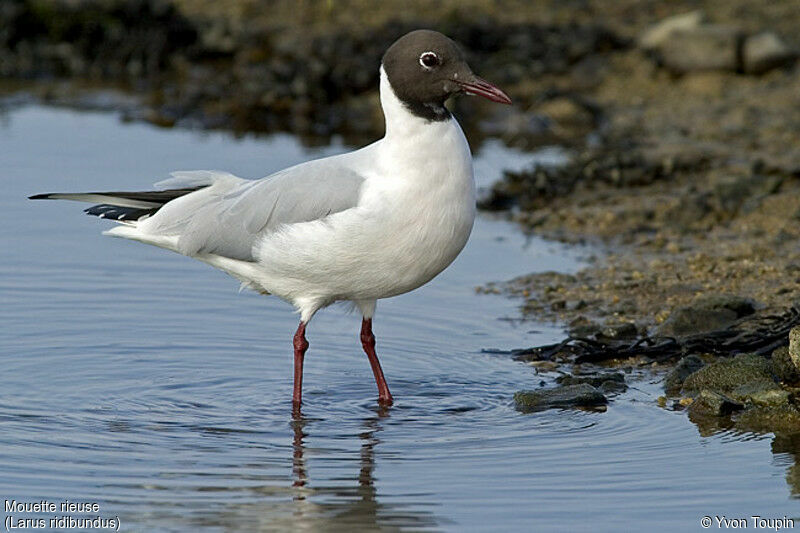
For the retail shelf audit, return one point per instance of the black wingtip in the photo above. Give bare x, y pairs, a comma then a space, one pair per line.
39, 197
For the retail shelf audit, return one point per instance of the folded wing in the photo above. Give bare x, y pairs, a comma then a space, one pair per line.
229, 216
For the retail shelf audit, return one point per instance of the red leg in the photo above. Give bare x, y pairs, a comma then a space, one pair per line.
300, 347
368, 342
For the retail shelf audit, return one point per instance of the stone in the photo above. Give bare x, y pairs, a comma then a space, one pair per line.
765, 51
584, 328
595, 379
726, 375
705, 47
689, 320
709, 403
545, 366
708, 312
783, 366
624, 331
567, 397
794, 346
612, 387
657, 34
685, 367
761, 393
780, 420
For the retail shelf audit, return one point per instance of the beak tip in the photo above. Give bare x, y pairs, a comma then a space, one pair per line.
480, 87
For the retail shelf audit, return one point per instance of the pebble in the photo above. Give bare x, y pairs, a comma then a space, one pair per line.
566, 397
705, 47
685, 367
709, 403
763, 394
765, 51
726, 375
706, 313
657, 34
783, 366
593, 379
794, 346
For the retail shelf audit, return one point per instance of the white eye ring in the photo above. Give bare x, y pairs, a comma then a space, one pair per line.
427, 54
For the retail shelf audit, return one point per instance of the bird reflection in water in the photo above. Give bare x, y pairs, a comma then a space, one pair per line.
298, 461
348, 506
365, 480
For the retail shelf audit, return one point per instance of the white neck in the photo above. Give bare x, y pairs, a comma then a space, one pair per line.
417, 150
399, 120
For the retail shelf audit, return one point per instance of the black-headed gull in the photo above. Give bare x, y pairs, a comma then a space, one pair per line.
357, 227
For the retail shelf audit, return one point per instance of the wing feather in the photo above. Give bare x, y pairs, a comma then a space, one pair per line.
228, 217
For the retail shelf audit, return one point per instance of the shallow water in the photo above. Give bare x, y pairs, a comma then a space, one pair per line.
140, 380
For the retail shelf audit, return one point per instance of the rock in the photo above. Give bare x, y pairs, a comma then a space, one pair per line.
709, 403
612, 387
765, 51
594, 379
726, 375
685, 367
738, 304
706, 312
783, 366
584, 328
570, 396
657, 34
704, 47
545, 366
784, 419
761, 393
794, 346
625, 331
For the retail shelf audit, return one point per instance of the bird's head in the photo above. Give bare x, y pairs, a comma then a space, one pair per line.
425, 68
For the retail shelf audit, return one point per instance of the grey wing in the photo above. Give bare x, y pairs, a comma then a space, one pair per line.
228, 220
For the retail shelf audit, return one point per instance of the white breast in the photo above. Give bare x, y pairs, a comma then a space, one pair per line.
424, 195
414, 216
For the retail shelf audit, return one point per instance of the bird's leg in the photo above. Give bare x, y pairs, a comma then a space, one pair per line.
300, 347
368, 342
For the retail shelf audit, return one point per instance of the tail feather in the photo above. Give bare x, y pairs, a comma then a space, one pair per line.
121, 206
119, 213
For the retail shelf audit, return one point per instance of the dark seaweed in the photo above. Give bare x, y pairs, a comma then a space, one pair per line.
760, 335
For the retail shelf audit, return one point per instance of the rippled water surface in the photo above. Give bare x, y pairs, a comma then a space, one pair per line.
143, 381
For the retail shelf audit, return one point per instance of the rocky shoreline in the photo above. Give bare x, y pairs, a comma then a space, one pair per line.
692, 189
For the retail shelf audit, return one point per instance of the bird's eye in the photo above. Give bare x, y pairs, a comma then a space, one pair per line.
428, 60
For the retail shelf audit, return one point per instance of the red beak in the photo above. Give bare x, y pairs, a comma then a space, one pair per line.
481, 87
